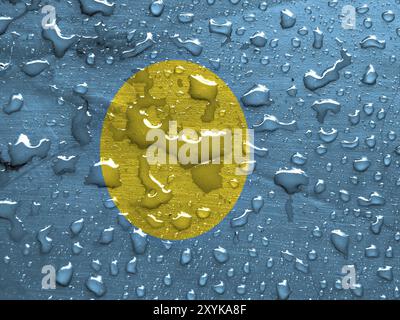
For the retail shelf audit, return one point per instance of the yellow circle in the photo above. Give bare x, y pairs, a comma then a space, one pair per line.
171, 200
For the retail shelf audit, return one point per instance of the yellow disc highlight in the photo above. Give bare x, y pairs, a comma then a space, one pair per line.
172, 200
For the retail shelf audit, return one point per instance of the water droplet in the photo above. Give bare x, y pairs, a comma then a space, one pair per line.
8, 211
385, 273
95, 285
318, 38
313, 81
388, 15
257, 96
361, 164
193, 46
283, 290
91, 7
259, 39
15, 104
131, 266
64, 274
35, 67
107, 236
77, 226
186, 256
157, 8
288, 19
219, 287
257, 203
370, 75
372, 41
140, 46
221, 255
340, 241
186, 17
23, 151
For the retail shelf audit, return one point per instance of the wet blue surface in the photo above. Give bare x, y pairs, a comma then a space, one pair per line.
296, 244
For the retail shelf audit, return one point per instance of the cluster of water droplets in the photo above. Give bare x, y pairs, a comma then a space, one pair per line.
321, 99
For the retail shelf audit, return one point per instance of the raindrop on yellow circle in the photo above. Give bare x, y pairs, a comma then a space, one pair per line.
171, 200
